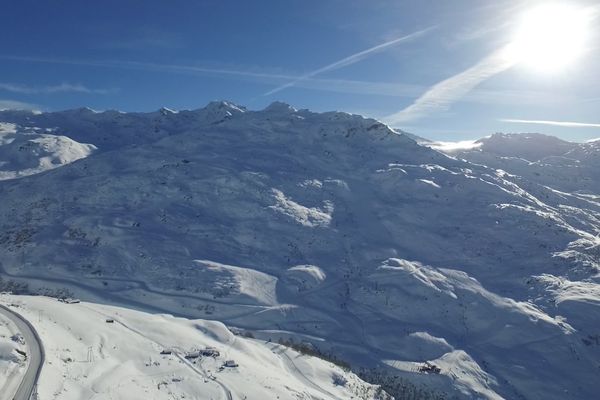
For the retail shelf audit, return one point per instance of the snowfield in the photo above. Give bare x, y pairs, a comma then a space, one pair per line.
471, 274
238, 284
87, 357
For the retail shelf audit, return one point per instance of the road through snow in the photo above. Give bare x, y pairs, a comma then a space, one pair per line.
35, 354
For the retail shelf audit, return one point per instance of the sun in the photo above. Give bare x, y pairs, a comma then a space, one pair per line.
550, 37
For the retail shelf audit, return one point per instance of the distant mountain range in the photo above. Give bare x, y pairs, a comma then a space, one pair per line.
481, 259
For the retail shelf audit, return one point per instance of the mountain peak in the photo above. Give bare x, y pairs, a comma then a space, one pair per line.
223, 105
80, 111
530, 136
529, 146
280, 107
166, 111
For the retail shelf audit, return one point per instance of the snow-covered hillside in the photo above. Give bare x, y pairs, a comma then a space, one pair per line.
101, 351
328, 228
31, 150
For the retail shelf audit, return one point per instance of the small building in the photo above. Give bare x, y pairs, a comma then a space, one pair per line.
210, 352
110, 321
230, 364
193, 354
429, 368
166, 352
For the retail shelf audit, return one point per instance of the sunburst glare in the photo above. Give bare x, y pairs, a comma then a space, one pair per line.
550, 37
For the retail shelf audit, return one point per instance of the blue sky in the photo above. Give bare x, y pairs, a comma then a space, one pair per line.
142, 55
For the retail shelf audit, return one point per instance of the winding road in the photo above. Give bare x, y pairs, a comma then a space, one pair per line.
35, 354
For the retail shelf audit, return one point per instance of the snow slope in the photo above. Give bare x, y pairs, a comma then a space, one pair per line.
90, 358
27, 151
331, 228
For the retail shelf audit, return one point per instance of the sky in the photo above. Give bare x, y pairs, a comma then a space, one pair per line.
435, 68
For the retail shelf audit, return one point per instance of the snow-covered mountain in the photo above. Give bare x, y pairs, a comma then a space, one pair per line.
328, 228
562, 165
528, 146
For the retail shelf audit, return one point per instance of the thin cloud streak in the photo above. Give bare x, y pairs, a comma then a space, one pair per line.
440, 96
147, 66
333, 85
567, 124
61, 88
372, 88
354, 58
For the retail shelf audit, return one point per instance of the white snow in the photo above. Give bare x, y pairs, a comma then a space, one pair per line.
86, 357
430, 182
238, 282
564, 290
25, 152
304, 277
307, 216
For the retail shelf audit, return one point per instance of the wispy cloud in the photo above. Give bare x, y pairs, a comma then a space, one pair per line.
149, 66
266, 76
16, 105
255, 75
60, 88
440, 96
483, 21
567, 124
354, 58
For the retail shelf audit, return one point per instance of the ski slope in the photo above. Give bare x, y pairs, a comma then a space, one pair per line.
90, 358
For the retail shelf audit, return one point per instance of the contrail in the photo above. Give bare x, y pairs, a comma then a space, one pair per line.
354, 58
441, 95
148, 66
380, 88
553, 123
